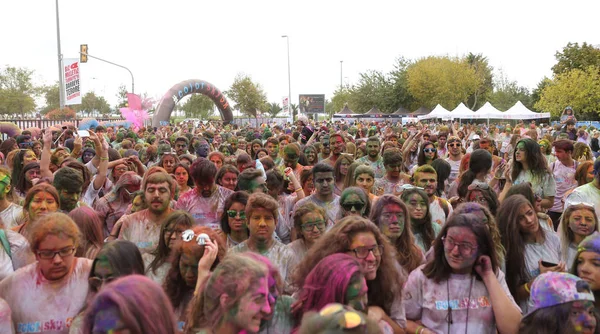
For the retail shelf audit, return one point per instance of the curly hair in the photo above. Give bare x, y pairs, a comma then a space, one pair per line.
409, 255
387, 284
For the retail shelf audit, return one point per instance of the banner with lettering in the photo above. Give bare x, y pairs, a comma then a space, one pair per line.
72, 86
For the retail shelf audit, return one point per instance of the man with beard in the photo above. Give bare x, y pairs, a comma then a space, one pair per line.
338, 145
455, 155
233, 142
69, 184
324, 197
326, 150
373, 158
426, 178
143, 227
181, 146
205, 203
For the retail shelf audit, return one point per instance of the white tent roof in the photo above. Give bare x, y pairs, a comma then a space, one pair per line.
520, 111
437, 112
489, 111
461, 111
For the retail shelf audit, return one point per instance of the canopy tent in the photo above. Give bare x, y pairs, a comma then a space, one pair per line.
345, 112
401, 111
420, 111
437, 112
520, 111
374, 111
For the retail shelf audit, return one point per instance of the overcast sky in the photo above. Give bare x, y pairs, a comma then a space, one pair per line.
166, 42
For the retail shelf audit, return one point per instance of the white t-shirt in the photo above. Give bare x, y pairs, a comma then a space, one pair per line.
428, 301
41, 306
546, 187
20, 254
454, 169
6, 324
12, 216
438, 215
139, 229
548, 251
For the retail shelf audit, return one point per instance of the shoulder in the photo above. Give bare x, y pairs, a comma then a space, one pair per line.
224, 191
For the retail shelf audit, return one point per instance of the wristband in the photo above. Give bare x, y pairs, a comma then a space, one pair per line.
103, 159
299, 189
419, 329
527, 288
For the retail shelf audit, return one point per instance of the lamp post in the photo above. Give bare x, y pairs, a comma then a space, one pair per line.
289, 78
341, 73
61, 92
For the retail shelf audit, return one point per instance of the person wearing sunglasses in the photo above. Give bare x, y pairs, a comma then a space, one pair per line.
455, 155
234, 222
194, 256
427, 154
354, 201
578, 221
360, 238
465, 271
52, 290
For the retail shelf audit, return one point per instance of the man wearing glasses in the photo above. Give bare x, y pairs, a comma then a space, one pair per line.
455, 154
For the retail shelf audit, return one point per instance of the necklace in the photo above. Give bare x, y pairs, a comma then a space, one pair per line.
449, 316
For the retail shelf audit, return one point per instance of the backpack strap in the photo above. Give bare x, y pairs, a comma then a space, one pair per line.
4, 241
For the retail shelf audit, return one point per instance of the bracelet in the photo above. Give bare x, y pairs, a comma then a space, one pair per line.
299, 189
527, 288
103, 159
419, 329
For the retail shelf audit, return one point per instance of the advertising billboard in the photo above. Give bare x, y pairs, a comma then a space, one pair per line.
312, 103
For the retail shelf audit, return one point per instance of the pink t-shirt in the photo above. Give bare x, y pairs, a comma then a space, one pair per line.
205, 210
42, 306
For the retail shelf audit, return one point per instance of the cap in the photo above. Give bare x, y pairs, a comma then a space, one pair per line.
591, 243
552, 288
475, 137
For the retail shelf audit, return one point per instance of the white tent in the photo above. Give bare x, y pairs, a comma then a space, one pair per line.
489, 111
462, 111
437, 112
519, 111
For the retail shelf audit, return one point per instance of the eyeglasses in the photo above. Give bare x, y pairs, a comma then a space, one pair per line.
356, 206
311, 226
479, 185
464, 248
348, 319
201, 239
49, 255
97, 282
233, 214
429, 150
455, 144
363, 251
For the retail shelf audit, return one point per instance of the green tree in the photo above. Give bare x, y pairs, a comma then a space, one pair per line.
339, 99
574, 56
249, 97
274, 109
52, 98
199, 106
577, 88
17, 91
294, 110
122, 97
90, 103
536, 94
506, 93
399, 91
485, 84
374, 89
441, 80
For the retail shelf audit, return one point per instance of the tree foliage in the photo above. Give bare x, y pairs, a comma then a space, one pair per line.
52, 98
577, 88
506, 93
441, 80
122, 97
66, 113
17, 91
485, 80
249, 97
574, 56
199, 106
274, 109
90, 103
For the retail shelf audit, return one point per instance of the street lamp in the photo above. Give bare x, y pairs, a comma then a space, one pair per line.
289, 78
341, 72
61, 93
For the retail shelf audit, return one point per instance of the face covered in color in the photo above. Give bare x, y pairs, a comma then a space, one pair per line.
41, 204
206, 187
229, 180
392, 221
215, 159
356, 294
588, 268
252, 308
238, 222
352, 205
460, 249
313, 226
520, 152
324, 183
373, 148
108, 320
427, 181
417, 206
365, 249
582, 222
262, 224
188, 268
203, 149
290, 158
158, 197
365, 181
582, 316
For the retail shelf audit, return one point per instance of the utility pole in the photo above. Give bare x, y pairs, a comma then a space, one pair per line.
341, 73
61, 91
289, 78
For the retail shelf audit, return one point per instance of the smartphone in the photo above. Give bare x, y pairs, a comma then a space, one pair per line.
83, 133
549, 264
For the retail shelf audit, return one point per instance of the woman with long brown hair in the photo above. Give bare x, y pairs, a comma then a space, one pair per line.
362, 239
391, 216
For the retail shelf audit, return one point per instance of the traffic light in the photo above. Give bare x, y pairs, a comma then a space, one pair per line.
83, 50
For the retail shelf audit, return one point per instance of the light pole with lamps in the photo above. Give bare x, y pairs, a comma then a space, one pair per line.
289, 78
341, 72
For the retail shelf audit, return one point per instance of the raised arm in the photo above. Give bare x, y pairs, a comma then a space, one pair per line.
102, 145
46, 153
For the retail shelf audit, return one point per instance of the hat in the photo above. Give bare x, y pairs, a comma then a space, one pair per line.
475, 137
552, 288
591, 243
303, 119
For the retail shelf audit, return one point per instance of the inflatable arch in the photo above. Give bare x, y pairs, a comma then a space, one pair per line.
177, 92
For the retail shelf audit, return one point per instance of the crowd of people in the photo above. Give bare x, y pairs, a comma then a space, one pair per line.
306, 227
